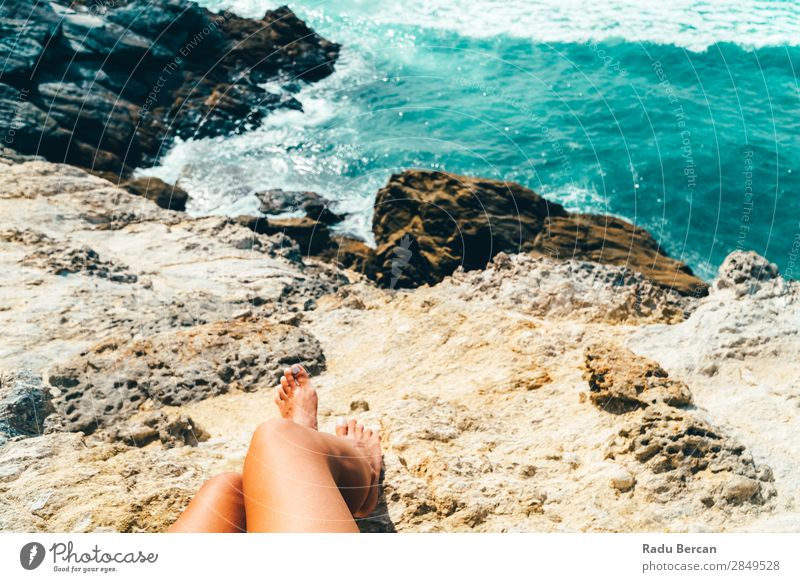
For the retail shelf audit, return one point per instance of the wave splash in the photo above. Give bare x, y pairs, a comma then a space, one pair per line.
691, 24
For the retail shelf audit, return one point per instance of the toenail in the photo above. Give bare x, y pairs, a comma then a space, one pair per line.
296, 369
340, 421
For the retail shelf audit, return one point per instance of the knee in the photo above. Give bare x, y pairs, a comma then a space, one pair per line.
224, 484
277, 437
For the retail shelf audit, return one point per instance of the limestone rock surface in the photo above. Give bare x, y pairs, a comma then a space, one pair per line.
485, 386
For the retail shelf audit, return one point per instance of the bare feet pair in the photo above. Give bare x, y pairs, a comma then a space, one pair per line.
297, 401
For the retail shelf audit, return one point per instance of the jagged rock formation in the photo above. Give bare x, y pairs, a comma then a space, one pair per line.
69, 261
426, 224
682, 453
311, 235
620, 381
476, 382
444, 221
572, 289
107, 85
311, 204
740, 354
24, 405
67, 308
614, 241
169, 196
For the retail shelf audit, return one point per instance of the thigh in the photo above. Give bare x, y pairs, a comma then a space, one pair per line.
218, 507
298, 479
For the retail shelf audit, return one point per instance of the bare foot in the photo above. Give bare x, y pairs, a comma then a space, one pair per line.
368, 443
296, 397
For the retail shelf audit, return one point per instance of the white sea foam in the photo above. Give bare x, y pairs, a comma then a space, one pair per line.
691, 24
576, 198
291, 150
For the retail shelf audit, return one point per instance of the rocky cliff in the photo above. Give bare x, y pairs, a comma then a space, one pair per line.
540, 393
108, 85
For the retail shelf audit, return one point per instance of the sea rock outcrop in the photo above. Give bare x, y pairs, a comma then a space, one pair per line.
169, 196
428, 223
310, 204
312, 236
108, 85
614, 241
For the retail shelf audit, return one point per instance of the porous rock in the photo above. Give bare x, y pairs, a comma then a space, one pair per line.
24, 404
687, 456
115, 379
620, 381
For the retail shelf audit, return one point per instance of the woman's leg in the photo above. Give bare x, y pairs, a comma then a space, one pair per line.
217, 508
295, 478
299, 479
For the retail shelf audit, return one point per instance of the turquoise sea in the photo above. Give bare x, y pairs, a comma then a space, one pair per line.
682, 117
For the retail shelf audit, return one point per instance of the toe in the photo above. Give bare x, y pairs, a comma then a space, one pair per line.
359, 430
351, 427
289, 377
368, 432
284, 388
280, 401
341, 426
300, 373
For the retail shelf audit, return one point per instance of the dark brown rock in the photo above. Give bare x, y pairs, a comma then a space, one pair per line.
426, 224
171, 197
350, 254
312, 236
614, 241
311, 204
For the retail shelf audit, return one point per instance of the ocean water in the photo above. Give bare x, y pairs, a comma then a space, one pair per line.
682, 117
